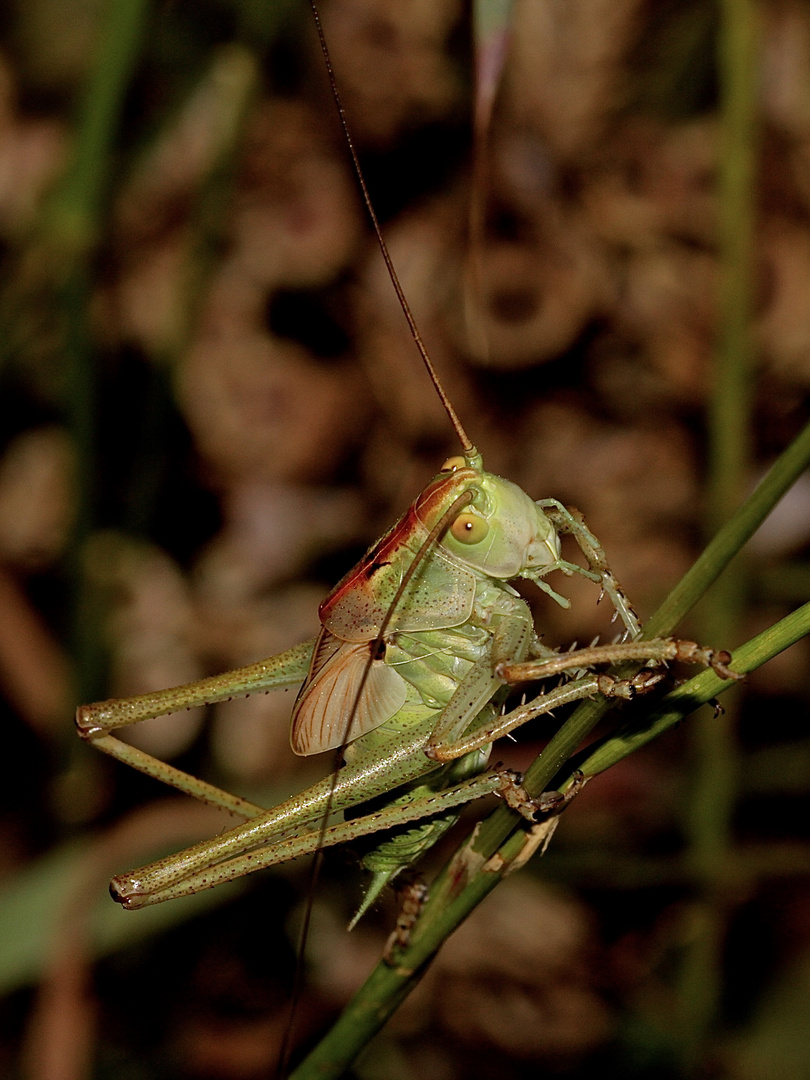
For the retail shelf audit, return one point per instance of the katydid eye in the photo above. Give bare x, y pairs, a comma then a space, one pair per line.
453, 463
469, 528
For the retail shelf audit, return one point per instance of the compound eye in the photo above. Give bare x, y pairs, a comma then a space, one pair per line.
469, 528
453, 463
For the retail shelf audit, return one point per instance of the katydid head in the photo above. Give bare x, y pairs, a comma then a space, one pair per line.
501, 533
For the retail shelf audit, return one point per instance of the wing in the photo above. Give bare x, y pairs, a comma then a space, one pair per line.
328, 712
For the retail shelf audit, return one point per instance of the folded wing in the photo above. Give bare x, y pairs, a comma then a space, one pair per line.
335, 705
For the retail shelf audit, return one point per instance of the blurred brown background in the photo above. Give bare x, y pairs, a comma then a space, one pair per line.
210, 407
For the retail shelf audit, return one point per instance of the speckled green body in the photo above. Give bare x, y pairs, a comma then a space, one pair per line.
406, 664
438, 633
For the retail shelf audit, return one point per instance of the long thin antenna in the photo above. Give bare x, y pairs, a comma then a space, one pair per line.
466, 444
438, 529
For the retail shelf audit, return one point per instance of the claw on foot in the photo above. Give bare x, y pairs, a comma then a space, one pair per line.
628, 689
550, 803
718, 660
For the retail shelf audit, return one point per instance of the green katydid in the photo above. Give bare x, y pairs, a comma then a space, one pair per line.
418, 648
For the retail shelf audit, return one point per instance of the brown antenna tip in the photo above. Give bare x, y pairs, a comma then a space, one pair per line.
464, 439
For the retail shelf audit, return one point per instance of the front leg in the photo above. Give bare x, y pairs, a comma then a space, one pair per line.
504, 723
569, 521
659, 650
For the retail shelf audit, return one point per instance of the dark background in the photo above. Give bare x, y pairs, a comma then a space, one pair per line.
210, 407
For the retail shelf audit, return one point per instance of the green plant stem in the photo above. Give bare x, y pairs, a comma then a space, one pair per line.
713, 750
72, 223
74, 215
730, 406
233, 76
491, 852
